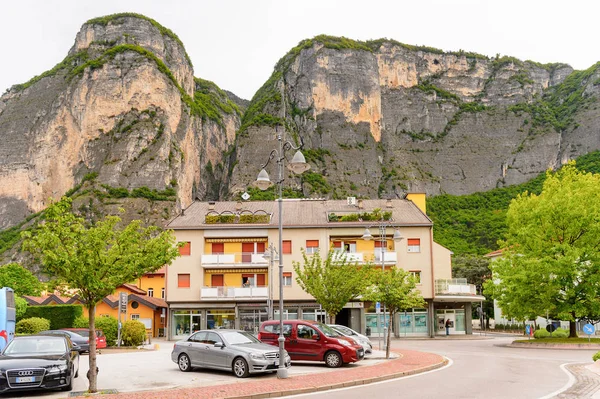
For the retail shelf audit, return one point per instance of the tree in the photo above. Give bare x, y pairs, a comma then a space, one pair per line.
96, 258
395, 289
21, 280
333, 281
551, 263
20, 306
476, 269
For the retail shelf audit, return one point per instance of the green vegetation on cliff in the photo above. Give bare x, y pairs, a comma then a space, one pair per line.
473, 224
164, 31
67, 64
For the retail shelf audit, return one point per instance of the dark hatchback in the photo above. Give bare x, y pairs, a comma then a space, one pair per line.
82, 344
38, 362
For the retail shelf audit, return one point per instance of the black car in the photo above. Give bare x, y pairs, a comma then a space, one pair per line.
82, 344
38, 362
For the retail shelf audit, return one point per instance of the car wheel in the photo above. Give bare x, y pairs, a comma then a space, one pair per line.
333, 359
184, 362
240, 368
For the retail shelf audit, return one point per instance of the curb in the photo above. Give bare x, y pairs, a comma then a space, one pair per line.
554, 346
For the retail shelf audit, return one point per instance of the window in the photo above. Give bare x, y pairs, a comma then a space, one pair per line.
186, 249
218, 248
414, 245
287, 246
162, 293
135, 304
312, 246
135, 317
416, 275
150, 291
287, 278
183, 281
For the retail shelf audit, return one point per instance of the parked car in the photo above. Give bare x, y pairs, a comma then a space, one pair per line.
311, 340
82, 344
38, 362
85, 332
231, 350
363, 340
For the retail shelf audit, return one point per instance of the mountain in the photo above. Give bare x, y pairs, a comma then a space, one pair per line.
123, 114
382, 118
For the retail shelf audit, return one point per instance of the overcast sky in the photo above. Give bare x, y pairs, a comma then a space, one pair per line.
237, 43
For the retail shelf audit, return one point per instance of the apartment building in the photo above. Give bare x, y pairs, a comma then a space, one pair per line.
223, 280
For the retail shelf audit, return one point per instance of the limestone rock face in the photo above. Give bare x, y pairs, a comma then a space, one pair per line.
119, 107
382, 118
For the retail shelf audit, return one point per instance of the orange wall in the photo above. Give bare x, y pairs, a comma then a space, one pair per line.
156, 282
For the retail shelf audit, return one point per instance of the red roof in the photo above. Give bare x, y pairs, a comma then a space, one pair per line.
494, 254
134, 289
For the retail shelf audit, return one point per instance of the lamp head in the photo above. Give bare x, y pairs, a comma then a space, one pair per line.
262, 181
397, 236
367, 235
298, 164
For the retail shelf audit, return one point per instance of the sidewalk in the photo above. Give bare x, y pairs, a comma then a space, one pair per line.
406, 363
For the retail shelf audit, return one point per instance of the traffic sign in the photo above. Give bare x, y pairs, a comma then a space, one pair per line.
377, 307
589, 329
550, 328
527, 329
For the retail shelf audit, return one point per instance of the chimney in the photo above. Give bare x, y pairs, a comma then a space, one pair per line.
360, 204
388, 203
182, 212
211, 206
238, 206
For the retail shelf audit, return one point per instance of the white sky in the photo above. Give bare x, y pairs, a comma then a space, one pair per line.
236, 43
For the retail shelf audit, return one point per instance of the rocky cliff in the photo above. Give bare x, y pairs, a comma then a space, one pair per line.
382, 118
122, 114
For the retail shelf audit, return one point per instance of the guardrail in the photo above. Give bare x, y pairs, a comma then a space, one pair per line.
234, 292
454, 286
237, 259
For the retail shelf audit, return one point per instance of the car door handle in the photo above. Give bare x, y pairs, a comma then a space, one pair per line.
293, 341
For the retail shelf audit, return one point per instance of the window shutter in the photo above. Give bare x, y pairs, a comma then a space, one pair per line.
414, 241
183, 280
287, 274
312, 243
287, 247
186, 249
218, 248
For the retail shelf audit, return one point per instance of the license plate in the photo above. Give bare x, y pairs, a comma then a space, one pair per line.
276, 362
25, 379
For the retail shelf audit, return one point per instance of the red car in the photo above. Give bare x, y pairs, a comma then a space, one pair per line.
85, 332
311, 340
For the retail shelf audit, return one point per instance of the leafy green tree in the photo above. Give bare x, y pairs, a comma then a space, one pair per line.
552, 263
21, 280
333, 281
96, 259
396, 290
20, 306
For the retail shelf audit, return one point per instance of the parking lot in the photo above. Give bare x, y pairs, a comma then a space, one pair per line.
140, 370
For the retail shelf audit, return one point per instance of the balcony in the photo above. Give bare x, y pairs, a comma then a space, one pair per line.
234, 293
389, 257
234, 259
454, 286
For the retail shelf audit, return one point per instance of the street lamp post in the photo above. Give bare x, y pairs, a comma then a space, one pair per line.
271, 255
383, 237
298, 165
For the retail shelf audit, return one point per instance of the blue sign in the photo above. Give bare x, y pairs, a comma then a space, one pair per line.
527, 329
588, 329
377, 307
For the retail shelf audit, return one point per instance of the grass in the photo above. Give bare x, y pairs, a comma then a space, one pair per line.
543, 341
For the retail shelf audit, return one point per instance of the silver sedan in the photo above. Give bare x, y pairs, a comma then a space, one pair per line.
229, 350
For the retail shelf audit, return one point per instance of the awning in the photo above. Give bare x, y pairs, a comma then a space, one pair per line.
213, 271
256, 239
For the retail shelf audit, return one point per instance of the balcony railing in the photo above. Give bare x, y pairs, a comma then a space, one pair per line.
234, 292
454, 286
389, 257
234, 259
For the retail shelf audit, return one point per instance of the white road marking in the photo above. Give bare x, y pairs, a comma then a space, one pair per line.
568, 385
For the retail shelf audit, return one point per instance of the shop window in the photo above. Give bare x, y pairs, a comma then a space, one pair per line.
417, 276
218, 248
312, 246
287, 246
186, 249
414, 245
150, 291
287, 279
183, 281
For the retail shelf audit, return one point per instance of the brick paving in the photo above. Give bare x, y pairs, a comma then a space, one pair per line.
407, 363
587, 384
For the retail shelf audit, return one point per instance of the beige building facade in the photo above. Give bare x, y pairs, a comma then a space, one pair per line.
223, 280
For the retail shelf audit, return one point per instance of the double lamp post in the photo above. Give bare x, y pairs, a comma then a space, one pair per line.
298, 165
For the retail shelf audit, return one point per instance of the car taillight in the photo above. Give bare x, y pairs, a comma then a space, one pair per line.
259, 336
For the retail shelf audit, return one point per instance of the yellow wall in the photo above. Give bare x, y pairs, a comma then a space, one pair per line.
419, 200
156, 282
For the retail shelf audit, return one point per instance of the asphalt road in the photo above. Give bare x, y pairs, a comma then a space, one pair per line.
479, 369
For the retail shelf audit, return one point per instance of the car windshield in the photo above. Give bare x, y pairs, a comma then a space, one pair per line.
83, 333
239, 338
343, 330
328, 331
38, 345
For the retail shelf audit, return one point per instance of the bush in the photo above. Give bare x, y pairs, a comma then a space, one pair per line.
133, 333
60, 316
541, 333
596, 356
108, 324
560, 333
32, 325
21, 307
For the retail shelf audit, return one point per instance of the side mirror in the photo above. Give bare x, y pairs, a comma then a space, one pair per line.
219, 345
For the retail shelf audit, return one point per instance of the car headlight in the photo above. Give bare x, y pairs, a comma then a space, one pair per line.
344, 342
257, 356
59, 368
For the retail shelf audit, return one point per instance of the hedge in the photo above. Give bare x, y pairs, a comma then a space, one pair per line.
32, 325
60, 316
108, 324
133, 333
